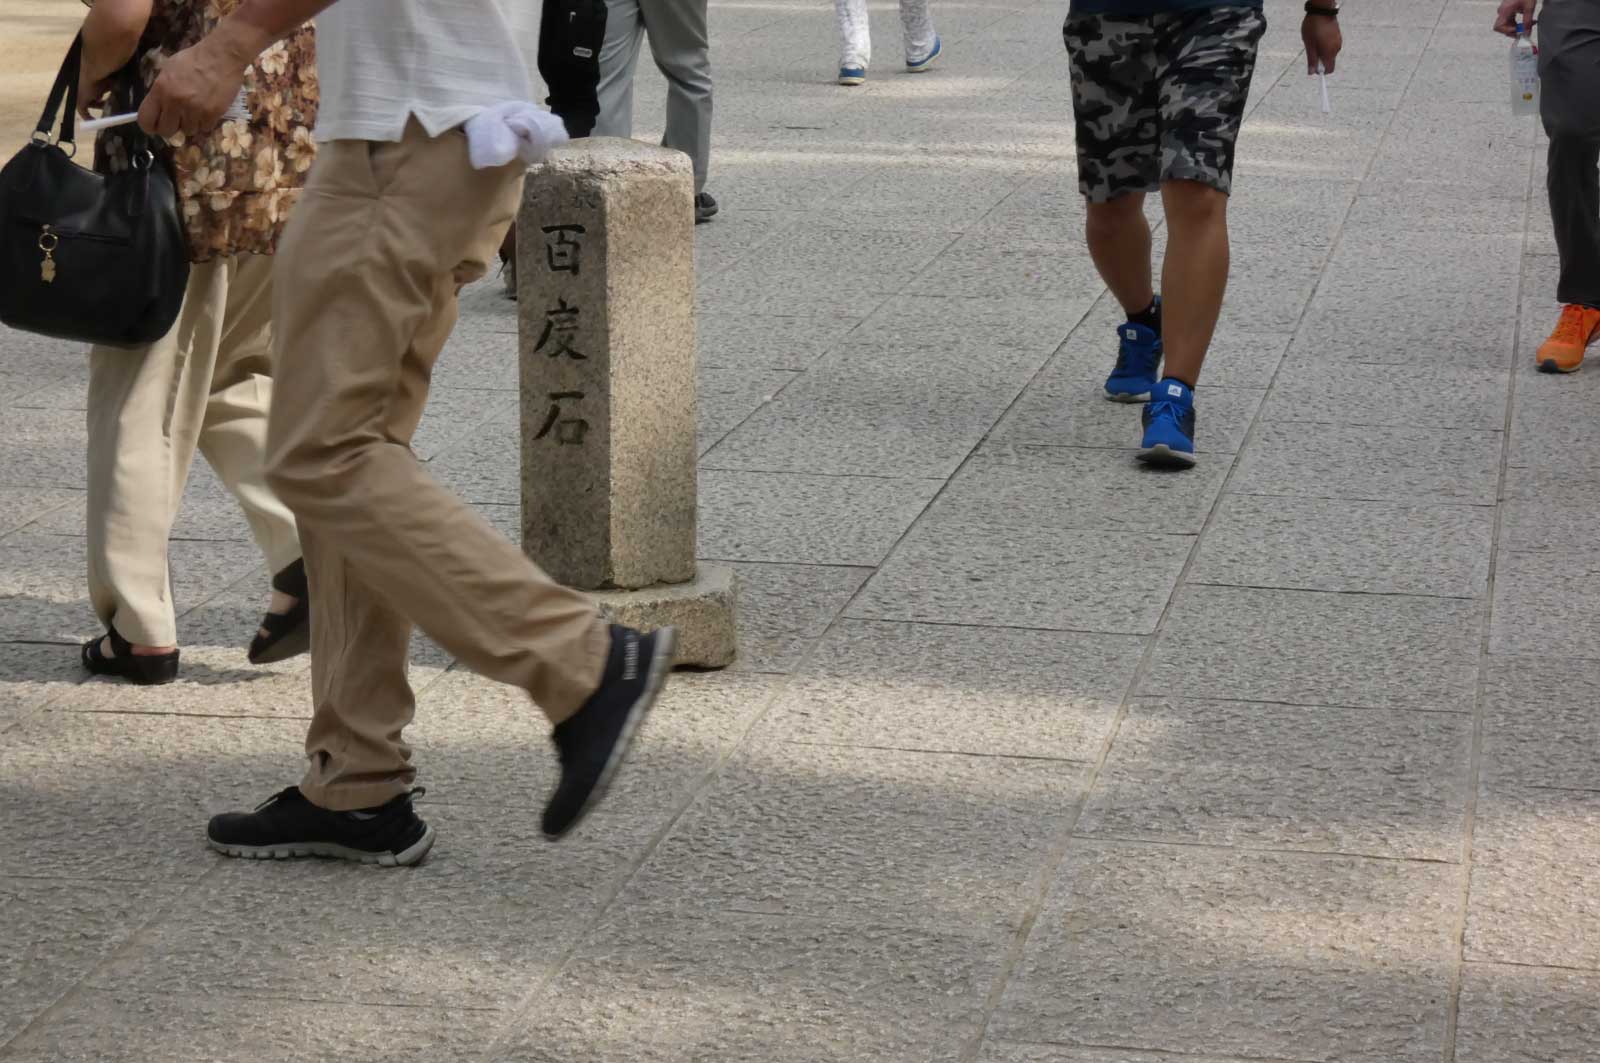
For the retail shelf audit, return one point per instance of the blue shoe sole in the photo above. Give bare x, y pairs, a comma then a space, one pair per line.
1162, 456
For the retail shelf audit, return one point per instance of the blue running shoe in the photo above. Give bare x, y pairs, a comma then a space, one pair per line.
1169, 426
852, 75
1138, 360
917, 66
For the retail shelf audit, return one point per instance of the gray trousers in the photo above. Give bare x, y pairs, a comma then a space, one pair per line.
1569, 103
682, 51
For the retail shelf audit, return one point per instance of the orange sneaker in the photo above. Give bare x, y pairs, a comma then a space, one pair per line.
1563, 351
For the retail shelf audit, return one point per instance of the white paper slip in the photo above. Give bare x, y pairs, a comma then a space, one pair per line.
236, 112
1322, 80
94, 125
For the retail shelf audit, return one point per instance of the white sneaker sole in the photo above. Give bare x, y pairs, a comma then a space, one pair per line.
1164, 457
330, 851
1122, 396
655, 679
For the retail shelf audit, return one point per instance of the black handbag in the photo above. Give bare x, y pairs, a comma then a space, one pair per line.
87, 256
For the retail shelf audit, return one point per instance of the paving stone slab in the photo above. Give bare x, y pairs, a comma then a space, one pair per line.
1348, 546
1536, 856
453, 414
767, 341
134, 792
1415, 465
1208, 951
1390, 395
43, 448
980, 265
1059, 410
126, 1026
1540, 727
994, 1051
1019, 573
21, 506
801, 830
977, 326
1472, 337
483, 467
1517, 1014
867, 418
729, 396
33, 675
820, 520
1393, 209
477, 742
743, 988
1546, 601
937, 688
1285, 777
1005, 486
483, 921
802, 273
1304, 648
784, 609
56, 931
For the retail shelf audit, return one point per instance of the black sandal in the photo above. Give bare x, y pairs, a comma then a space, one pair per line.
287, 634
146, 670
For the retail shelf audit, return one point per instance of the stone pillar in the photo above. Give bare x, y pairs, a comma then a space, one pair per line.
606, 315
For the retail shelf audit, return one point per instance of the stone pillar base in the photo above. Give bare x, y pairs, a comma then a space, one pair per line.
702, 610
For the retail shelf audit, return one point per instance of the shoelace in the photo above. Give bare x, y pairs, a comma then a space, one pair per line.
1170, 407
1570, 328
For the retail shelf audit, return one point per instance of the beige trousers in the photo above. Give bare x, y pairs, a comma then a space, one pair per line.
206, 384
365, 297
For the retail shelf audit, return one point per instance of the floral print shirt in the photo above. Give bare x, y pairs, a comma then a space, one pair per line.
237, 183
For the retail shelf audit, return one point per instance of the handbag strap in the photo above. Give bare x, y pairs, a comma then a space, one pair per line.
66, 86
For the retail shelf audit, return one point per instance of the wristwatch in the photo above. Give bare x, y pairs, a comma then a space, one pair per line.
1325, 10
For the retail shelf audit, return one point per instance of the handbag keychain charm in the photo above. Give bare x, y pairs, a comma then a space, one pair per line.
47, 243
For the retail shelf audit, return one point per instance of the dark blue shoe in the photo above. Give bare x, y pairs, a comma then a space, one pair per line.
1169, 426
917, 66
1138, 362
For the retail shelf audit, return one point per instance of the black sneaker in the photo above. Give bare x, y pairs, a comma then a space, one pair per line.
593, 743
286, 825
705, 208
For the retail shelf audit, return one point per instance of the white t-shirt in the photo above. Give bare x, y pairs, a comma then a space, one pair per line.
381, 62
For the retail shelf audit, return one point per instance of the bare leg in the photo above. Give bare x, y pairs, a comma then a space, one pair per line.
1194, 276
1119, 243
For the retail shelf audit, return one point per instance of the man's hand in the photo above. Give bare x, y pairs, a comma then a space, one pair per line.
1323, 41
1505, 19
198, 84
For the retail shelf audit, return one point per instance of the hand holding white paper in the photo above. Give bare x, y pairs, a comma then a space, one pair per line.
498, 134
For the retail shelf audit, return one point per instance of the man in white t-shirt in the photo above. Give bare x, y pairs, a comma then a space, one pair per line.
393, 221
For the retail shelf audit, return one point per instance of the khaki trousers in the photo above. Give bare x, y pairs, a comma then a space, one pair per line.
206, 384
365, 297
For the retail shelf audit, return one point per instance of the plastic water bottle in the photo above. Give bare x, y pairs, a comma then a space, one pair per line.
1524, 73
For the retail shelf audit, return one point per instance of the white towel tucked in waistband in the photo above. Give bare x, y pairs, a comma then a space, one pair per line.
498, 134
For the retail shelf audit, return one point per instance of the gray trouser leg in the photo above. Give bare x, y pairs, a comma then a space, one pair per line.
618, 58
682, 50
1569, 103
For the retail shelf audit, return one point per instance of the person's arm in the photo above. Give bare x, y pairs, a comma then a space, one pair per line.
197, 85
1505, 19
110, 37
1322, 38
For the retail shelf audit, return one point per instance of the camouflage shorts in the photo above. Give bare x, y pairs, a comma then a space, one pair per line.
1160, 97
